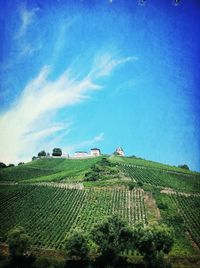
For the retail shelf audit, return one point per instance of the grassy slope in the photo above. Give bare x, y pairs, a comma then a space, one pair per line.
74, 170
48, 169
149, 164
71, 169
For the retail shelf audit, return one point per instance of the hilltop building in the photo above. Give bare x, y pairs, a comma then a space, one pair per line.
119, 151
81, 154
95, 152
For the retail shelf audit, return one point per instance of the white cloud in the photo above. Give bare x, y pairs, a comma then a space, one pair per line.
20, 130
105, 64
26, 17
99, 137
28, 124
87, 143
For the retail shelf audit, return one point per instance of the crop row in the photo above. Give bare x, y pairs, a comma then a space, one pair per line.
49, 213
189, 209
161, 178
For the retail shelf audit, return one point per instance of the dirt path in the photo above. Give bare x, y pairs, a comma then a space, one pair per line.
172, 191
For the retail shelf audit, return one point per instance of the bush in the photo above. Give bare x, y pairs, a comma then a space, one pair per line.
2, 165
18, 244
57, 152
76, 245
41, 153
184, 167
131, 185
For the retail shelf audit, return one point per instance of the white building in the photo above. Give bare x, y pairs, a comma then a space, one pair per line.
120, 151
80, 154
95, 152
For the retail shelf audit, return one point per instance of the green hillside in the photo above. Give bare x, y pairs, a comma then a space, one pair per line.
51, 197
50, 169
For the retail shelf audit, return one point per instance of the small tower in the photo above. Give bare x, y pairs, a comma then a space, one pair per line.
119, 151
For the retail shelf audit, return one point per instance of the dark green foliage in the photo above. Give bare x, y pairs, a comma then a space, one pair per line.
20, 163
105, 162
184, 167
34, 158
103, 169
57, 152
47, 262
2, 165
11, 165
18, 242
153, 243
111, 236
162, 205
42, 153
76, 245
139, 184
131, 185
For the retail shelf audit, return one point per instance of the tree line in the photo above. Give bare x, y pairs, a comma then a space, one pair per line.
55, 152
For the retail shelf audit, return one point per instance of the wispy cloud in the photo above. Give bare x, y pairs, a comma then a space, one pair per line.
26, 17
25, 126
87, 143
104, 64
27, 50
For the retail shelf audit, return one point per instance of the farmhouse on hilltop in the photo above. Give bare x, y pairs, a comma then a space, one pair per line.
95, 152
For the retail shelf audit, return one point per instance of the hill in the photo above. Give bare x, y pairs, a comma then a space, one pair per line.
51, 197
48, 169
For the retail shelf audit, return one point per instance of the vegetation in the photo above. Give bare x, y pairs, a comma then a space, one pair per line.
161, 178
76, 245
57, 152
48, 169
2, 165
153, 243
112, 236
189, 210
37, 205
42, 153
184, 167
18, 242
59, 201
102, 170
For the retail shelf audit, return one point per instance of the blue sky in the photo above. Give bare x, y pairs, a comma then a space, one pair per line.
88, 73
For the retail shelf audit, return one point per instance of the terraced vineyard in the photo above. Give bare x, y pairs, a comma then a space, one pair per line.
157, 177
189, 209
49, 198
49, 213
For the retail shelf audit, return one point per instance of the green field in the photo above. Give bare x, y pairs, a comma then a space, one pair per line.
50, 197
49, 213
162, 178
48, 169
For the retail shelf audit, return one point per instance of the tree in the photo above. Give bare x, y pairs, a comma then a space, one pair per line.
153, 243
41, 153
57, 152
112, 236
11, 165
76, 245
184, 167
18, 242
34, 158
2, 165
20, 163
